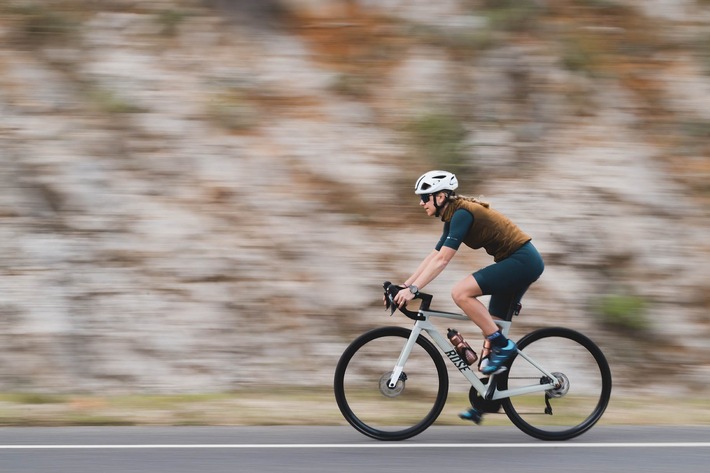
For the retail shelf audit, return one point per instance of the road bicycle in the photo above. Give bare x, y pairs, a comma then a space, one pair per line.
391, 383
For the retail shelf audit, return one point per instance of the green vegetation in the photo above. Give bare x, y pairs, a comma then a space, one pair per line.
623, 311
608, 7
513, 15
170, 20
308, 406
33, 398
350, 85
578, 54
39, 25
439, 138
109, 102
696, 128
703, 55
231, 111
463, 43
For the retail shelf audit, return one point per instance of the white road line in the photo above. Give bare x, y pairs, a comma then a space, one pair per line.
361, 446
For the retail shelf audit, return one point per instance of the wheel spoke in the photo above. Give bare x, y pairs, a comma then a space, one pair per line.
579, 400
371, 405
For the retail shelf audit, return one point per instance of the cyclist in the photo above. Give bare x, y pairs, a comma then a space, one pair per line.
517, 264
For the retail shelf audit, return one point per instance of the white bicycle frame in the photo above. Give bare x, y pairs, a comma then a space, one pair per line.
489, 391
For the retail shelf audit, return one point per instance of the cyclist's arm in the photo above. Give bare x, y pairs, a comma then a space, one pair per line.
454, 233
444, 234
435, 264
422, 266
429, 257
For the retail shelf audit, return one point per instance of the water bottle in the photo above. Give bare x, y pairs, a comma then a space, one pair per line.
462, 348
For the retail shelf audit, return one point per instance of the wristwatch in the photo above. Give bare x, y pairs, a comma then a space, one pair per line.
413, 289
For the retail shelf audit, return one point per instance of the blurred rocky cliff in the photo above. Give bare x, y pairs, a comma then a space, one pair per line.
207, 195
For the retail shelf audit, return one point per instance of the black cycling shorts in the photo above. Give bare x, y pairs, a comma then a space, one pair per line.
507, 280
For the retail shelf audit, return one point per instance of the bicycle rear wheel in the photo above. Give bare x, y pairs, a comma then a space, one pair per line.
570, 409
370, 405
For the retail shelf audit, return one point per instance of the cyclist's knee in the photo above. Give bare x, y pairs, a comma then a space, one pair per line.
457, 295
465, 290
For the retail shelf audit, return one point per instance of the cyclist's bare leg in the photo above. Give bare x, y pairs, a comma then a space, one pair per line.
465, 294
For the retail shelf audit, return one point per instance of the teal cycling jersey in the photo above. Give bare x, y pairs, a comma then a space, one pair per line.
455, 230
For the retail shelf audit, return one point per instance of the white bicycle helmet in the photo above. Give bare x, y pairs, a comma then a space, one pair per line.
435, 181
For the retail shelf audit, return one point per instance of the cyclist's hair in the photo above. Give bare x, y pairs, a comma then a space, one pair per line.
469, 198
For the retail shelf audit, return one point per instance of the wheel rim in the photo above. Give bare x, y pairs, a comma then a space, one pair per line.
580, 399
375, 409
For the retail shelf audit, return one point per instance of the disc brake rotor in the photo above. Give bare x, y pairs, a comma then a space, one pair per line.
398, 388
562, 389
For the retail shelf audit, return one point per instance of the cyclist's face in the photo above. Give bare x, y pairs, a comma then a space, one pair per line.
427, 201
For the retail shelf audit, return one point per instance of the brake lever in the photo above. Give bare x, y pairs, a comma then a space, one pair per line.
391, 305
392, 290
389, 298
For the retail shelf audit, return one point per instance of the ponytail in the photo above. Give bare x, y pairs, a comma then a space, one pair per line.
476, 200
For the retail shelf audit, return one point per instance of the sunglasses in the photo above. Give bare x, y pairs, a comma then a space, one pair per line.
425, 197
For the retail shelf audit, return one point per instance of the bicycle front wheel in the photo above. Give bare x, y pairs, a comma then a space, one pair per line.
366, 400
577, 403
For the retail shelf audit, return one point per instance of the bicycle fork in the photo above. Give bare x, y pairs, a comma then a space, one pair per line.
404, 355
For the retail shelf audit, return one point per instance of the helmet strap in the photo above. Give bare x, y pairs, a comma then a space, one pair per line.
440, 207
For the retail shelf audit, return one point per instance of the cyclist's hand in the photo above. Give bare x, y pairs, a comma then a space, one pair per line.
385, 302
403, 297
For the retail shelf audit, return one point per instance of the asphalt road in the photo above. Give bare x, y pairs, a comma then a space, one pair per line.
341, 449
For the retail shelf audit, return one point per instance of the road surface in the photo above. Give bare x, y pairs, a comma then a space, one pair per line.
343, 450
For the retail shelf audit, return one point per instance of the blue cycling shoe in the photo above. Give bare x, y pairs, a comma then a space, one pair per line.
498, 357
473, 414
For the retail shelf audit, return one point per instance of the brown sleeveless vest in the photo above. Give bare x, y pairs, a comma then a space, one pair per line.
491, 230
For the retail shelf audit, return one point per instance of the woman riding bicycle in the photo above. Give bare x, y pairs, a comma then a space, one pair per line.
517, 264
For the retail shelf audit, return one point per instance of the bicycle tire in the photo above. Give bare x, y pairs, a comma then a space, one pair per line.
585, 369
390, 414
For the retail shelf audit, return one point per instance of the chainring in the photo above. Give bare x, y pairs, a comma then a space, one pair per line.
480, 403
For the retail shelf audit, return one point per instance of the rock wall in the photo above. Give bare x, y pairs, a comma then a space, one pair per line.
201, 196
